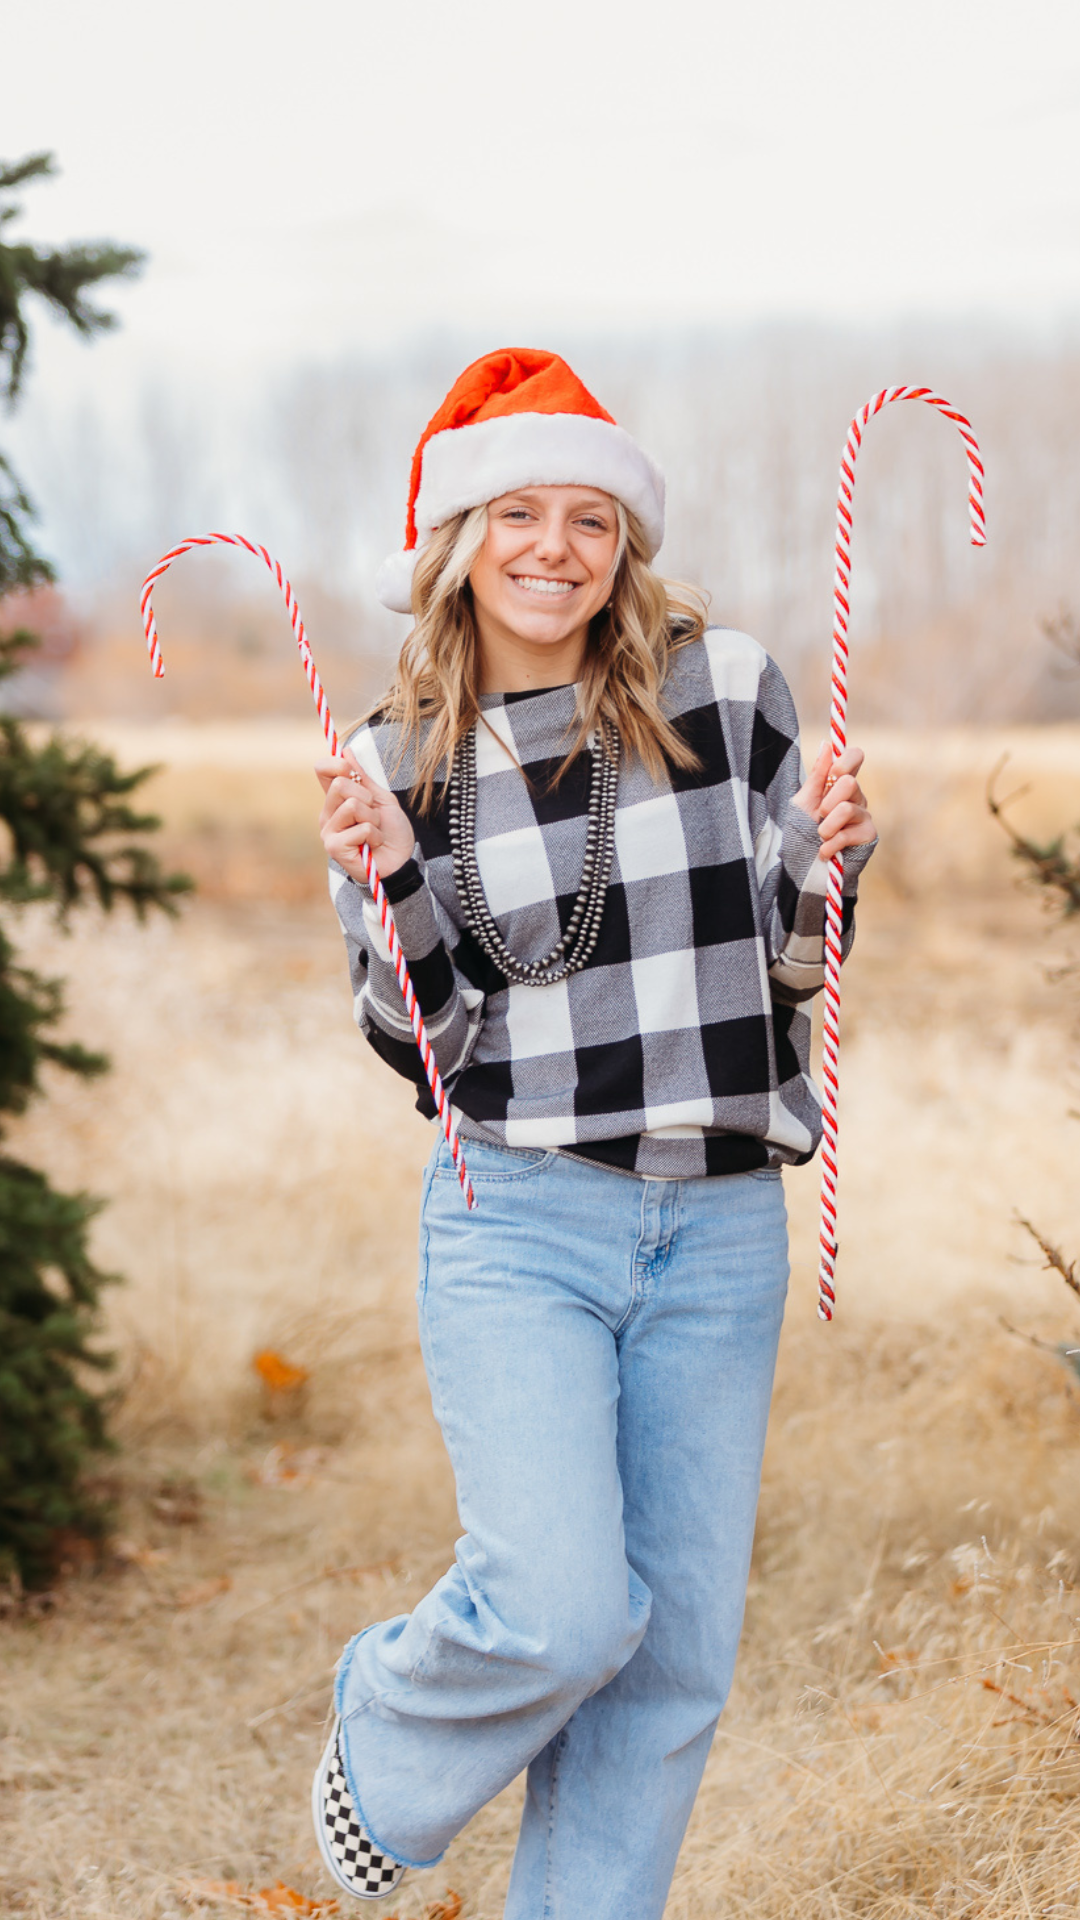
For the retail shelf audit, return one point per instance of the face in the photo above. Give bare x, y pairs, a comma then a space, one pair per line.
545, 569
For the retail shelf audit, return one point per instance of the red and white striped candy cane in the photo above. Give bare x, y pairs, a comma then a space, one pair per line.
838, 731
371, 874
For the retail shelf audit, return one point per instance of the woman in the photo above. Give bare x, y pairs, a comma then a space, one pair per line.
608, 876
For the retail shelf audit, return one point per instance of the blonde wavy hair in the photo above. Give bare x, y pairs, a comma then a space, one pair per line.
434, 698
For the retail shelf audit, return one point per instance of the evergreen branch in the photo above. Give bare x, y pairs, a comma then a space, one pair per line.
58, 275
29, 1005
12, 648
75, 1058
38, 166
50, 1417
1051, 865
68, 815
20, 565
65, 808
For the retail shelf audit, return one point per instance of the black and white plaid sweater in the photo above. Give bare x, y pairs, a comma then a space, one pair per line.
682, 1047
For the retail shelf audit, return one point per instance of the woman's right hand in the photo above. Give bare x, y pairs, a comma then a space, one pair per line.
355, 810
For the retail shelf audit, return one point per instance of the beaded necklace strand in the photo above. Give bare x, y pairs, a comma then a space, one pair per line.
578, 943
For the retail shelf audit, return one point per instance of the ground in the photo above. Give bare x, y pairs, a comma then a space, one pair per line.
901, 1739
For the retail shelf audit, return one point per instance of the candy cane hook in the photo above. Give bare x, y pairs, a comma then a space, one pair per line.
838, 732
371, 874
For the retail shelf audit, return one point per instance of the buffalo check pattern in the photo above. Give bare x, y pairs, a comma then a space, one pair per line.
682, 1048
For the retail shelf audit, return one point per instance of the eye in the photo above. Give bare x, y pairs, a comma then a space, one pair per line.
515, 513
594, 523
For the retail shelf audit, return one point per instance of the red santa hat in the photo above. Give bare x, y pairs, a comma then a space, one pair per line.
518, 418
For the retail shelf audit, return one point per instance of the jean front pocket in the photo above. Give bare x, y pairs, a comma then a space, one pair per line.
766, 1173
489, 1165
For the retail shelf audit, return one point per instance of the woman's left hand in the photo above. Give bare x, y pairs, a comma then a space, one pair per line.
833, 797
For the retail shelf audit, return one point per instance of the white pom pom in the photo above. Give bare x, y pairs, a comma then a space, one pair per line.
393, 582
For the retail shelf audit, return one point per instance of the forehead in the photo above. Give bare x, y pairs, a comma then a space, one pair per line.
573, 499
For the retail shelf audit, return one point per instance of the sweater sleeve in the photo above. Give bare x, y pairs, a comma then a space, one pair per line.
452, 1008
791, 877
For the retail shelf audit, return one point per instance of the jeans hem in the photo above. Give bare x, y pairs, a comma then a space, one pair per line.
343, 1665
350, 1779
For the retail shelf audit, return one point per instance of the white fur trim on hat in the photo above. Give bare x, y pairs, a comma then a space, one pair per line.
466, 466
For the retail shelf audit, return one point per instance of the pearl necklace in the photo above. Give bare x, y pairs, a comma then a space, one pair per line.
578, 943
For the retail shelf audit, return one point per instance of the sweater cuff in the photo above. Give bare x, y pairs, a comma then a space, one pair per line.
855, 859
414, 917
801, 850
407, 879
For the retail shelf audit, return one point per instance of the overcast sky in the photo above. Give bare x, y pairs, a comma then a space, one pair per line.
318, 176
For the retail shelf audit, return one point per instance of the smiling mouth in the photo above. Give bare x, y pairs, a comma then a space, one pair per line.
550, 589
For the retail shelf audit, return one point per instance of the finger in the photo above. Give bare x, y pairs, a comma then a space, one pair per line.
341, 821
334, 797
364, 779
855, 835
345, 775
846, 789
846, 765
329, 807
327, 771
349, 789
842, 841
355, 809
353, 862
843, 788
345, 846
361, 832
848, 762
814, 784
844, 814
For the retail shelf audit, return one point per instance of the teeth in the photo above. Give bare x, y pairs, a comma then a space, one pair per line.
533, 584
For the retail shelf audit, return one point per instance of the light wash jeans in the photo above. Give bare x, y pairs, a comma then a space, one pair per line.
600, 1351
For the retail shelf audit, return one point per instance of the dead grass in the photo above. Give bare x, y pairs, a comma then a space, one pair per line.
902, 1736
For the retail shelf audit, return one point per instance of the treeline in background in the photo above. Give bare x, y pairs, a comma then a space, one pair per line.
748, 427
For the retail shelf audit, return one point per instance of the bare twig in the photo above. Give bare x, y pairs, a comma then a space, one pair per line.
1062, 629
357, 1573
1053, 1256
1035, 1713
1050, 865
1029, 1339
302, 1693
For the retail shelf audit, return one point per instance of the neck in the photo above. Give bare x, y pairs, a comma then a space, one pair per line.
510, 663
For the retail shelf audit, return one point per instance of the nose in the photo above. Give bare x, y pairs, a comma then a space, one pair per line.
552, 542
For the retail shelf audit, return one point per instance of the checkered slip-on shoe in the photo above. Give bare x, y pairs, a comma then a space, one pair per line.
350, 1857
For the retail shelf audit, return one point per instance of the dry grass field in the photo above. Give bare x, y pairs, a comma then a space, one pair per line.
902, 1738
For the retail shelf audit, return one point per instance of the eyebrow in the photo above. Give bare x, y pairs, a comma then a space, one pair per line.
591, 502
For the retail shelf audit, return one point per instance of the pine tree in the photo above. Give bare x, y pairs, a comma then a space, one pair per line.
68, 814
